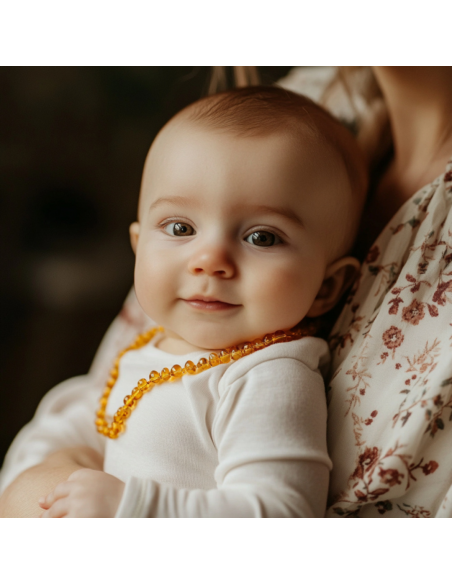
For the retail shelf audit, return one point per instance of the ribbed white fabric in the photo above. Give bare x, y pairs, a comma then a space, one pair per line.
244, 439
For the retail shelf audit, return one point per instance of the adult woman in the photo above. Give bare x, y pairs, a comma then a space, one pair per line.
391, 384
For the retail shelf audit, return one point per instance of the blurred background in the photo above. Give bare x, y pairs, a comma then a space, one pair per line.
72, 147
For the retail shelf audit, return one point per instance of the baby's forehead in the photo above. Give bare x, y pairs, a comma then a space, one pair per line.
274, 169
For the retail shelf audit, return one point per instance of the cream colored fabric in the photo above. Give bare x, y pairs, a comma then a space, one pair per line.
390, 398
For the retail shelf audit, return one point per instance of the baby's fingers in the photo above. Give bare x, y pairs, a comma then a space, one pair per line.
61, 490
58, 509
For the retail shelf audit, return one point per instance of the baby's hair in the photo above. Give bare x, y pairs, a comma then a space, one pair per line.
260, 110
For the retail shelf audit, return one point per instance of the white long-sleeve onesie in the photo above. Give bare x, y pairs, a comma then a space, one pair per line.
243, 439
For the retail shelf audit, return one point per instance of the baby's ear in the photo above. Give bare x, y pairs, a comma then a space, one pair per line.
134, 231
338, 277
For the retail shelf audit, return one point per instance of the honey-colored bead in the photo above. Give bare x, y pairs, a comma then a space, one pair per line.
214, 359
103, 402
111, 382
100, 413
114, 373
112, 434
137, 394
147, 387
142, 383
247, 348
165, 374
236, 353
279, 336
119, 414
225, 356
176, 371
126, 399
154, 376
203, 364
190, 367
267, 340
258, 344
100, 422
107, 392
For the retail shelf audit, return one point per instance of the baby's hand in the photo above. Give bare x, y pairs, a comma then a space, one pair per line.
86, 493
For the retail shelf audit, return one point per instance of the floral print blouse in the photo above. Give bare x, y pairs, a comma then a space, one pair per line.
390, 393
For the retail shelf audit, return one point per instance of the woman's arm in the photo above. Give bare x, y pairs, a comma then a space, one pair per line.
20, 499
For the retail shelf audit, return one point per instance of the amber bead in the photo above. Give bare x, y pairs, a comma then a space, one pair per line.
114, 373
165, 374
267, 340
154, 376
247, 348
203, 364
111, 382
214, 359
279, 336
142, 383
225, 356
126, 412
100, 422
107, 392
190, 367
137, 394
236, 353
100, 413
258, 344
176, 371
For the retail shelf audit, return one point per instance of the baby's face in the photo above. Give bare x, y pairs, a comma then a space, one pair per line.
234, 235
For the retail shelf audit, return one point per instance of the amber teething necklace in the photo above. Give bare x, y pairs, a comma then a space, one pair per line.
118, 424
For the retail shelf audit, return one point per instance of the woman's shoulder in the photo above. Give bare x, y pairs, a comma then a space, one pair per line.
406, 269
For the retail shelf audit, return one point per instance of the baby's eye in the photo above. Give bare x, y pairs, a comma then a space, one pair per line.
263, 238
180, 229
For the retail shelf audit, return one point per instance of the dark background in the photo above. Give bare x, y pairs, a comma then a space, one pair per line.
72, 146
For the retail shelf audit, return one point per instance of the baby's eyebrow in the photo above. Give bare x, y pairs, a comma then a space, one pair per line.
174, 200
285, 212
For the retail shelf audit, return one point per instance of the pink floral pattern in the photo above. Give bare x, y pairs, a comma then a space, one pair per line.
390, 394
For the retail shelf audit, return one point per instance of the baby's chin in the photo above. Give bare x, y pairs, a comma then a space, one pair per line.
216, 338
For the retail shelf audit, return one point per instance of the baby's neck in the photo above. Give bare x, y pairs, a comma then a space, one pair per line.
176, 346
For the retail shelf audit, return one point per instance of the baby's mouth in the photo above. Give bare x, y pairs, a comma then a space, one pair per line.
209, 304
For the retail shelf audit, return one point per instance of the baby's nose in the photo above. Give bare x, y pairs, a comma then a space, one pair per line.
213, 261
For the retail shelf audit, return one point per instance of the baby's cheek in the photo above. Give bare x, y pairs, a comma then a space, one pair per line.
286, 292
151, 285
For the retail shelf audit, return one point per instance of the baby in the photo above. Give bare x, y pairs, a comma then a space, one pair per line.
249, 205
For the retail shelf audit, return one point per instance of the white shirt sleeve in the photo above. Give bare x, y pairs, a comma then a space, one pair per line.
270, 434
